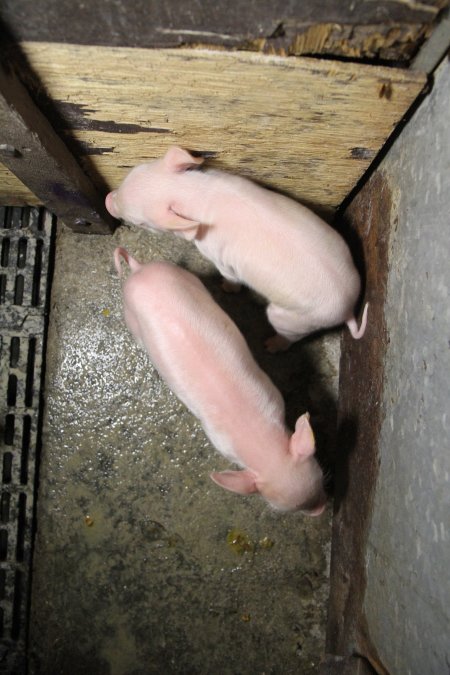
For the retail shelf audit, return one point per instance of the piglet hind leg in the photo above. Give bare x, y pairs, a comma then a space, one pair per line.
277, 343
286, 323
230, 286
230, 283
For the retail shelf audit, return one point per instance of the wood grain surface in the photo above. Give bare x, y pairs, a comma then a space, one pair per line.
305, 126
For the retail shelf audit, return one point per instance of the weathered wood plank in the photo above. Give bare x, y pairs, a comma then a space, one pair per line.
304, 126
32, 151
13, 192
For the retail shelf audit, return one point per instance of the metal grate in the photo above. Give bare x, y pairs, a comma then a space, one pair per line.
26, 236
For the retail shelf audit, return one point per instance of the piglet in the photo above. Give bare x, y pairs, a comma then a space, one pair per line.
200, 353
268, 241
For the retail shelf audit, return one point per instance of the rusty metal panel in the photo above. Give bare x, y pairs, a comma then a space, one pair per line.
359, 423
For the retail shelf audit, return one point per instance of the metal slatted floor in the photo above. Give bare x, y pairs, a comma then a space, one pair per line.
26, 236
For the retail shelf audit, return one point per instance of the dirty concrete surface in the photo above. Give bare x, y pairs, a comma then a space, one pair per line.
142, 565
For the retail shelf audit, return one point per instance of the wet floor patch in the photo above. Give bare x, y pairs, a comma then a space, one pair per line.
142, 564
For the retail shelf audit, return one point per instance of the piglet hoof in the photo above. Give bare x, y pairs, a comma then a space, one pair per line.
230, 286
277, 343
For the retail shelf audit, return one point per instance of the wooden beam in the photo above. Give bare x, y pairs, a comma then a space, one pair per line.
34, 153
386, 29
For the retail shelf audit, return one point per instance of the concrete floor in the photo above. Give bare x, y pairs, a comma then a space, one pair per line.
142, 565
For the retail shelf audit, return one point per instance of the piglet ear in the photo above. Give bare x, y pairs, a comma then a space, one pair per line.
317, 510
302, 443
242, 482
175, 221
177, 160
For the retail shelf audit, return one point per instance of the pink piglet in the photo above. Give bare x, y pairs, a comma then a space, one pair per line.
206, 362
266, 240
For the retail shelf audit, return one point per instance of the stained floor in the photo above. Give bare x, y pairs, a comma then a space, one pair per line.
142, 565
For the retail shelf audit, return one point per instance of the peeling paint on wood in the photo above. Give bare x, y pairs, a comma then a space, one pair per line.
362, 153
290, 123
75, 116
377, 41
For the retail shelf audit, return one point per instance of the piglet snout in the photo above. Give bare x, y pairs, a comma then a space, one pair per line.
110, 204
